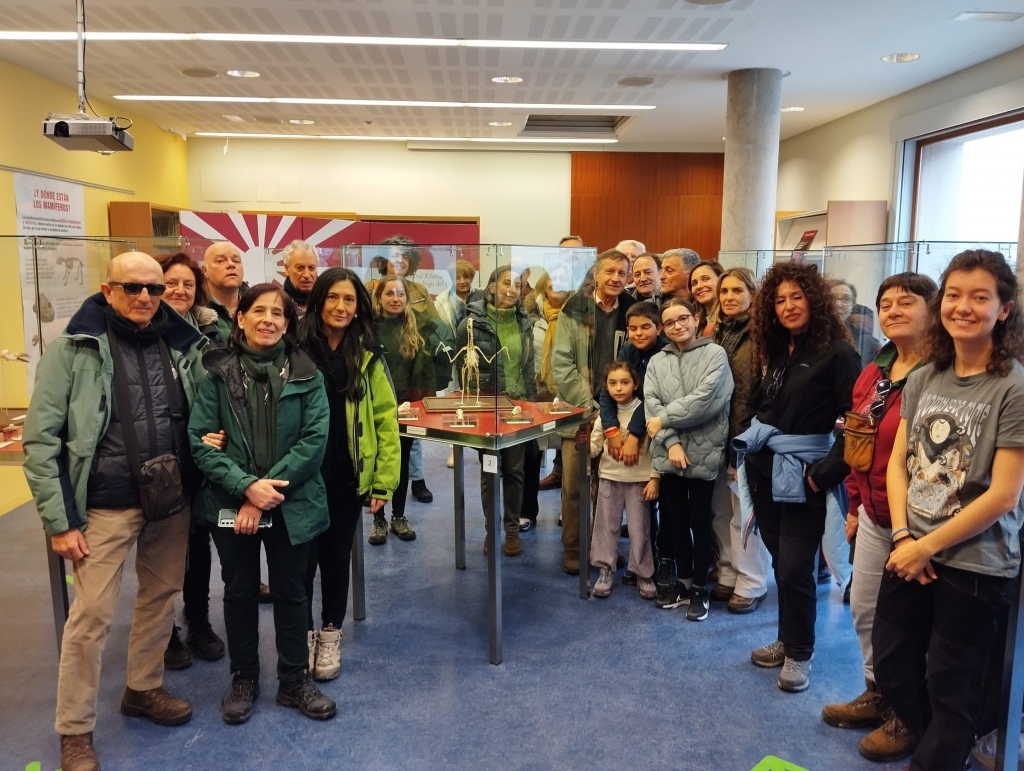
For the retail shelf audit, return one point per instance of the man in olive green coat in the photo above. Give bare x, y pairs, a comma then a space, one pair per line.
86, 492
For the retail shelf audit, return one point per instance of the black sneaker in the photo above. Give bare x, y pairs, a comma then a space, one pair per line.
698, 610
672, 597
203, 641
420, 492
629, 578
306, 697
236, 706
176, 656
665, 575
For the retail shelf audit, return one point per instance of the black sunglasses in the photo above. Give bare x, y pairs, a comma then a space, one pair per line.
882, 389
134, 288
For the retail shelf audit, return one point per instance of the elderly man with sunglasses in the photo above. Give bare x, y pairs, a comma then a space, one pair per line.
122, 352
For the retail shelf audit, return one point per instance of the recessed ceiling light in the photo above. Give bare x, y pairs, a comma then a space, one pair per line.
900, 58
723, 139
485, 140
792, 109
507, 79
234, 118
987, 16
243, 73
302, 122
198, 72
621, 108
637, 82
500, 123
268, 119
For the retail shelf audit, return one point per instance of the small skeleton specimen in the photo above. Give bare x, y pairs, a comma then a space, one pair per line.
471, 365
517, 412
459, 416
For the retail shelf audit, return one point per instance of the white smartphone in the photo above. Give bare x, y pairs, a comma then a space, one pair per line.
226, 518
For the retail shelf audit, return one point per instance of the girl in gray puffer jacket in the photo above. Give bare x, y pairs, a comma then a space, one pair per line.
686, 395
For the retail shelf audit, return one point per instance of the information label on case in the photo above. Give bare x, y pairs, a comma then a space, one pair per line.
416, 430
549, 425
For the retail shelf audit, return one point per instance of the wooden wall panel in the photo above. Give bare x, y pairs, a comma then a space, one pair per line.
665, 200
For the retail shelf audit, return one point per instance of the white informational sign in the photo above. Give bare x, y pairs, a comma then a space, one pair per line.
49, 207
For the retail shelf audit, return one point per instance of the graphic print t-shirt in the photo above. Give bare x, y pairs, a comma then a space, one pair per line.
954, 426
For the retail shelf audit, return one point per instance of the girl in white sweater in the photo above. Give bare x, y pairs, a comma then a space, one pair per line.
623, 487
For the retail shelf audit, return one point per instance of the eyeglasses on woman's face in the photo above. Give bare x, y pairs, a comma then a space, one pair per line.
678, 321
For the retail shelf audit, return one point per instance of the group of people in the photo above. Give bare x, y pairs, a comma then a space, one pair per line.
734, 425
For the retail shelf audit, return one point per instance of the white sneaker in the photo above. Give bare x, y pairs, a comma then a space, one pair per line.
311, 644
328, 654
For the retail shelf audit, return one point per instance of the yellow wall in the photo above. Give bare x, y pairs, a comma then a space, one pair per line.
157, 171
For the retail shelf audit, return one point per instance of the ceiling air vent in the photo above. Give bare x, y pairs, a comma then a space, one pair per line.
573, 125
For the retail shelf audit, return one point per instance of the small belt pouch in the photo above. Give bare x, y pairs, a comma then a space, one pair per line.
859, 441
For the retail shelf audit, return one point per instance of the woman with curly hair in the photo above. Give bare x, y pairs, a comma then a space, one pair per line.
954, 482
804, 369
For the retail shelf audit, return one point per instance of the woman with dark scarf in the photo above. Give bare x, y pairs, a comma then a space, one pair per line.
270, 400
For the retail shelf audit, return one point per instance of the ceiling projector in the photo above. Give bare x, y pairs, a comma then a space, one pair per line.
80, 132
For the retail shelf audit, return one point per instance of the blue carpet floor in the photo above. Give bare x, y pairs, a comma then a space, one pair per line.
600, 684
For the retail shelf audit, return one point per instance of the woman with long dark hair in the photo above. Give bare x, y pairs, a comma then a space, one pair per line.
361, 463
265, 485
704, 287
805, 370
954, 482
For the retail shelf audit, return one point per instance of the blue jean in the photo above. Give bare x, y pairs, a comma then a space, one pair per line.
931, 646
416, 461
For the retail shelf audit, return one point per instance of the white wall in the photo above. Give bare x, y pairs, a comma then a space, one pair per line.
854, 158
520, 197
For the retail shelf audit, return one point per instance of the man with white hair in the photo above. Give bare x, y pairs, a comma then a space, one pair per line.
300, 268
676, 265
112, 394
632, 249
225, 282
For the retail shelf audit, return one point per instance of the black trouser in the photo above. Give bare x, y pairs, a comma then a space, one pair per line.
196, 589
655, 532
332, 551
792, 533
402, 491
931, 646
531, 480
240, 569
685, 525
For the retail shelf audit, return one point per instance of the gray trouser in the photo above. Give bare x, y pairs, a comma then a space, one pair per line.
744, 569
869, 560
612, 498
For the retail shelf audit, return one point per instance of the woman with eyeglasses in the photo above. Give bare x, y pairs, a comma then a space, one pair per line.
687, 390
805, 369
858, 319
954, 487
902, 305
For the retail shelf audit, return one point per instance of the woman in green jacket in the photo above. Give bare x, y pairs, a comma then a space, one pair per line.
269, 398
412, 371
361, 463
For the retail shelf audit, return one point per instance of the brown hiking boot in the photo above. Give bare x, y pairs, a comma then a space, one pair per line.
513, 545
77, 754
157, 705
865, 710
571, 562
552, 481
893, 741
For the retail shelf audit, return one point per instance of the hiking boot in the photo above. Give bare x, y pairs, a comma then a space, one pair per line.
513, 545
665, 573
571, 562
893, 741
237, 704
629, 578
176, 656
421, 493
795, 676
647, 588
264, 597
311, 644
157, 705
328, 654
378, 532
605, 579
698, 610
673, 597
552, 481
400, 527
866, 710
77, 754
744, 605
769, 656
306, 697
722, 593
203, 641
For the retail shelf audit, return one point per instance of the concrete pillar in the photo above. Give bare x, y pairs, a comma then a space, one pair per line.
751, 159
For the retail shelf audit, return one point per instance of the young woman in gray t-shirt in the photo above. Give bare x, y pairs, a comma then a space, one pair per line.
954, 486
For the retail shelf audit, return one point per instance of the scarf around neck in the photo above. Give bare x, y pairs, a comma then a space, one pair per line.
264, 380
